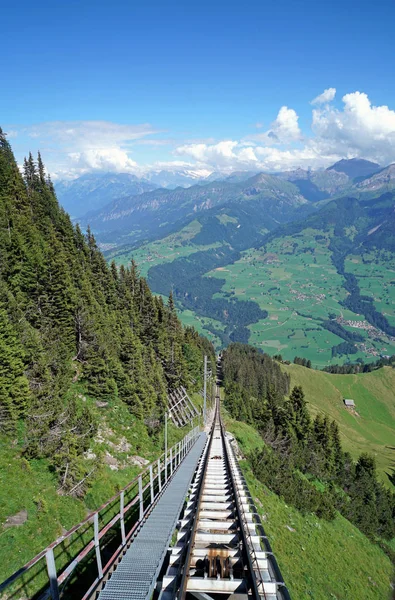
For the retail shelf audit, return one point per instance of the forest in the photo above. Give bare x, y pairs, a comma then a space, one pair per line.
360, 366
66, 317
302, 459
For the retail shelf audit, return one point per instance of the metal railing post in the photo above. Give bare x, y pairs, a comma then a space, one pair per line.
141, 498
151, 481
121, 516
97, 545
52, 575
171, 461
159, 477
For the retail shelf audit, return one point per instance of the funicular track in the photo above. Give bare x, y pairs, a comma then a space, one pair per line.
221, 550
197, 490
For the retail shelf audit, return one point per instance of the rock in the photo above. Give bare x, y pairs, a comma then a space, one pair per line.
103, 434
111, 462
16, 520
122, 446
258, 502
101, 404
139, 461
290, 528
89, 455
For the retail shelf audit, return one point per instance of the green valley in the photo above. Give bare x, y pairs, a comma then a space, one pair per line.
323, 286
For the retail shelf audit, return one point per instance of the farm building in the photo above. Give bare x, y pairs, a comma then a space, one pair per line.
349, 403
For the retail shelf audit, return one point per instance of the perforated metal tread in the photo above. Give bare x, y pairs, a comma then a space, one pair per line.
135, 576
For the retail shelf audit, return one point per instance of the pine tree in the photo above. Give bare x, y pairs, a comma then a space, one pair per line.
14, 386
301, 421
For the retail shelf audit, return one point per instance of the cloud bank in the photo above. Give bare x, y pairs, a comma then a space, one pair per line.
352, 127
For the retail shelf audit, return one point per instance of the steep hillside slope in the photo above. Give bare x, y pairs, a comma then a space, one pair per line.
87, 357
317, 185
319, 559
371, 428
380, 182
307, 487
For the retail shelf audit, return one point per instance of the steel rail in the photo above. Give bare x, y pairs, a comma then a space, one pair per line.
187, 563
247, 546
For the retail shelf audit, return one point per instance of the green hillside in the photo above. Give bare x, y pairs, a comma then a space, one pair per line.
318, 559
372, 427
88, 356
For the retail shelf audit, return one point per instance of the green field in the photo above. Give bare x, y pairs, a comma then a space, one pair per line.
294, 279
203, 325
372, 428
375, 272
318, 559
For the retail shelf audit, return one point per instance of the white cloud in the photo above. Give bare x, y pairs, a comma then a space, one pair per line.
285, 127
241, 156
103, 159
220, 154
356, 128
327, 96
89, 133
71, 148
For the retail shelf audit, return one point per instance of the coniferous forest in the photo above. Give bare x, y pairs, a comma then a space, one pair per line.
67, 317
302, 459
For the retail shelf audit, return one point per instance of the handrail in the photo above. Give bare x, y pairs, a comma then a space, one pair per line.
170, 463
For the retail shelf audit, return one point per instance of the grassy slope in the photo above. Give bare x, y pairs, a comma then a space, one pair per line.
32, 487
172, 247
318, 559
373, 428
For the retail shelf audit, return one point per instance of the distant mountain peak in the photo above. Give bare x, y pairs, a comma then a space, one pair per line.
355, 167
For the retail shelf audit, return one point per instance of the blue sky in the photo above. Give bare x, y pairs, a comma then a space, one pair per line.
197, 84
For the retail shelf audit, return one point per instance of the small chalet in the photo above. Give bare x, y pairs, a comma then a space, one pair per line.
349, 403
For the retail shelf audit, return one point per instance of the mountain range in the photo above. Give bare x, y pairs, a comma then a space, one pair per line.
94, 190
131, 218
309, 274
